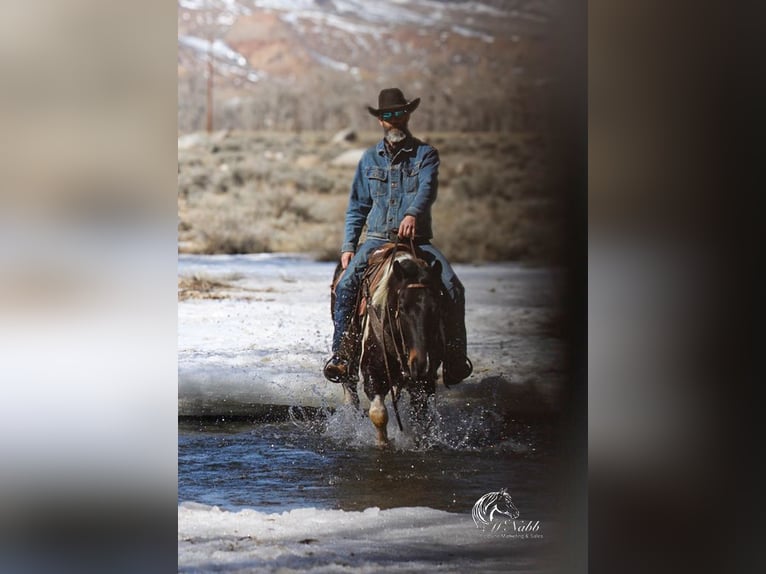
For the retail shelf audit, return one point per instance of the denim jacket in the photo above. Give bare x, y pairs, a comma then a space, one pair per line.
385, 189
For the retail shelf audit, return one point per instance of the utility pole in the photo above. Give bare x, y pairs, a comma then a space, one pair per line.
209, 108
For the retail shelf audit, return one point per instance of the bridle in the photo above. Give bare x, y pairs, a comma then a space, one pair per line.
380, 330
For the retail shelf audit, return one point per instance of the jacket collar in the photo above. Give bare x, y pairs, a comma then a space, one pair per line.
408, 145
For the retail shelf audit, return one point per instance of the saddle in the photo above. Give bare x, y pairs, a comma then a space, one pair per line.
371, 278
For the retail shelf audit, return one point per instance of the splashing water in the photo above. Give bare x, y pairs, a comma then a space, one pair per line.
329, 459
474, 428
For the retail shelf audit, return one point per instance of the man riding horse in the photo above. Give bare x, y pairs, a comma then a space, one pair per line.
393, 189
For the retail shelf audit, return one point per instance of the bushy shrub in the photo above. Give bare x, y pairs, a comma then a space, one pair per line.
254, 195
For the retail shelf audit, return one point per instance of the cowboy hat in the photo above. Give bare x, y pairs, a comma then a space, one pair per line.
392, 100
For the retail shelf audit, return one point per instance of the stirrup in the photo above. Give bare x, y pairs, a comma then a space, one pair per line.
464, 370
336, 369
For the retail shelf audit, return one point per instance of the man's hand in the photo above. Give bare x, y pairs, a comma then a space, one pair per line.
345, 257
407, 227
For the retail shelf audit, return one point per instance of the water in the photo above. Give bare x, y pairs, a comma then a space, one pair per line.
238, 356
330, 461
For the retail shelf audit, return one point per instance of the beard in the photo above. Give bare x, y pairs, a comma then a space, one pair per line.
395, 136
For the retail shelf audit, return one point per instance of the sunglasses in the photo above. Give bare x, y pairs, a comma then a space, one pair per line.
389, 115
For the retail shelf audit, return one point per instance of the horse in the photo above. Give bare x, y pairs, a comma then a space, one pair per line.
493, 510
400, 332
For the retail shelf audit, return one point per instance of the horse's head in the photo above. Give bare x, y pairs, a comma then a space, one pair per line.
415, 290
504, 505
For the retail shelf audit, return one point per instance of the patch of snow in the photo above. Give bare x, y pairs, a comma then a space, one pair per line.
382, 12
225, 19
192, 4
477, 8
189, 141
330, 63
267, 340
333, 20
232, 7
407, 539
285, 5
218, 48
472, 34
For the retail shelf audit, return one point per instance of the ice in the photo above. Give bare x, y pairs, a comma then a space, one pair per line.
266, 341
308, 539
263, 345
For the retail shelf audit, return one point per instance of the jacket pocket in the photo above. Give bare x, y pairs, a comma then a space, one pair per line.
411, 177
376, 178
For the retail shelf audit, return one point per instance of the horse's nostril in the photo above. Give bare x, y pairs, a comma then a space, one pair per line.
417, 363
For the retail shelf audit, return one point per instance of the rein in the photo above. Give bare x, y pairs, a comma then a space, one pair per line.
380, 331
379, 328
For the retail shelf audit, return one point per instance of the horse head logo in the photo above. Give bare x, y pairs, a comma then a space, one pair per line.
493, 510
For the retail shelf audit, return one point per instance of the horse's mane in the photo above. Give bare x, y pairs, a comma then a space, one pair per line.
379, 296
379, 293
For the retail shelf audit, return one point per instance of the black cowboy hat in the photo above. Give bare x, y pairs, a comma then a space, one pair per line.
392, 100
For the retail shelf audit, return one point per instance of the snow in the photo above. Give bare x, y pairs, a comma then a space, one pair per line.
330, 63
331, 20
360, 20
478, 8
381, 16
233, 7
263, 346
266, 341
218, 48
462, 31
307, 539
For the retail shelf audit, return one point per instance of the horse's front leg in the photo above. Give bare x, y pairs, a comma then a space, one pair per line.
350, 395
376, 387
379, 418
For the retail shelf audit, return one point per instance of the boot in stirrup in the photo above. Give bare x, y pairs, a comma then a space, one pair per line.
457, 366
340, 368
336, 369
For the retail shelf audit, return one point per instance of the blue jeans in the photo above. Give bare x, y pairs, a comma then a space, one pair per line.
347, 288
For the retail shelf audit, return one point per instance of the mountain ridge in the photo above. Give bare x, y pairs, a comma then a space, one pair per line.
488, 57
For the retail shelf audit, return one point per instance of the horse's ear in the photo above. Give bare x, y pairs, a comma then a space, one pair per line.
398, 271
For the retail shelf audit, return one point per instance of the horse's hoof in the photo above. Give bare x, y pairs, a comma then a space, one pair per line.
384, 444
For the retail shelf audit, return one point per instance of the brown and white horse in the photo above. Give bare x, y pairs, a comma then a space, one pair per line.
401, 335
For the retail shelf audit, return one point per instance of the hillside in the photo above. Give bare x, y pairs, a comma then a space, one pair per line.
315, 64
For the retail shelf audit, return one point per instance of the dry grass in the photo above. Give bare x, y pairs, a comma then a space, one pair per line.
278, 192
200, 287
